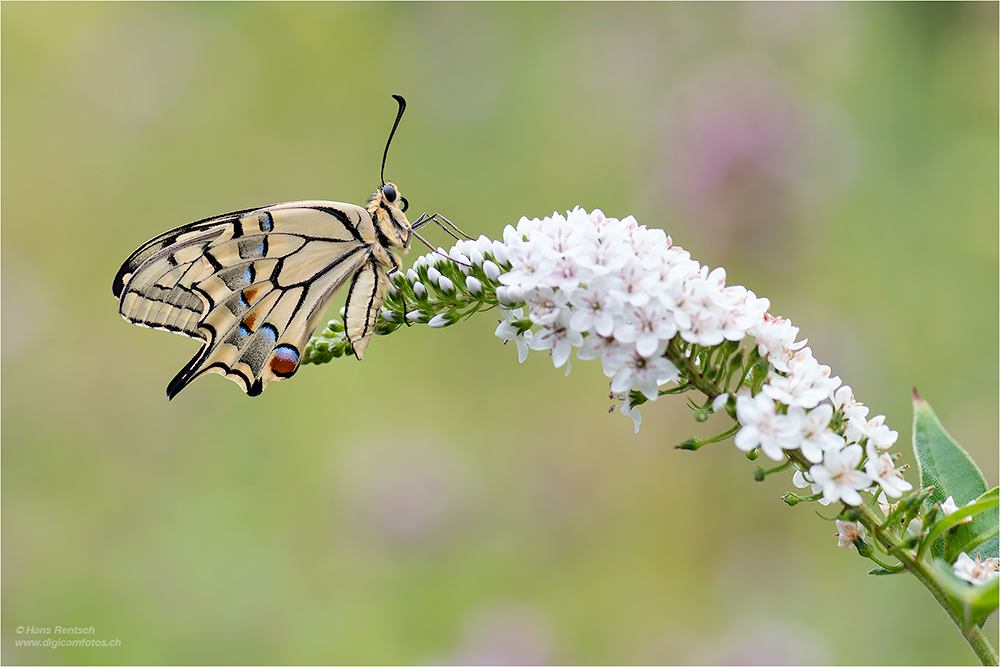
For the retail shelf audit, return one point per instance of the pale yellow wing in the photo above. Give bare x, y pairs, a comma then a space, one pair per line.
364, 302
252, 285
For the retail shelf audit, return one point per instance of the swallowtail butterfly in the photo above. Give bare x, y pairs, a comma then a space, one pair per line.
253, 285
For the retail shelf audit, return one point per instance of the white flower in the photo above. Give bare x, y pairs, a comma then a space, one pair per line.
559, 338
776, 340
627, 285
843, 399
838, 475
848, 531
507, 331
761, 426
647, 374
545, 305
885, 505
806, 384
647, 327
606, 349
977, 571
879, 435
600, 252
949, 507
719, 402
594, 310
816, 435
530, 267
883, 472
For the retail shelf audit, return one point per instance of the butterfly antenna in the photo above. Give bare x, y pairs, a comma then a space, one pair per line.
402, 108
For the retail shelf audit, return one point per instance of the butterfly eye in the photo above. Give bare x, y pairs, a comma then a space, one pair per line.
389, 192
406, 204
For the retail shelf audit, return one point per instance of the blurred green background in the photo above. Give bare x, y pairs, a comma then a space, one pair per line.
439, 502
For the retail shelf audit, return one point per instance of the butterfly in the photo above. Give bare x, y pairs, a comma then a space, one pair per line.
253, 285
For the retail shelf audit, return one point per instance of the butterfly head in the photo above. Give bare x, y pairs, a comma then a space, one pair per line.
387, 208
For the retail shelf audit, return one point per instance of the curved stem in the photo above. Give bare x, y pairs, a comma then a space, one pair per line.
919, 568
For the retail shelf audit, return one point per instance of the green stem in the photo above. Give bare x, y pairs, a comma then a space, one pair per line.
919, 568
694, 444
892, 568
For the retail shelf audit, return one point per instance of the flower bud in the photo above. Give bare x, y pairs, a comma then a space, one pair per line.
491, 270
864, 549
472, 285
476, 255
438, 321
500, 253
445, 284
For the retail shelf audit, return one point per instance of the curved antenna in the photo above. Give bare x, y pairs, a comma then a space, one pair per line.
402, 108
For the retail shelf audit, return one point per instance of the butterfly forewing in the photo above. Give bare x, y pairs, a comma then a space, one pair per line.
253, 286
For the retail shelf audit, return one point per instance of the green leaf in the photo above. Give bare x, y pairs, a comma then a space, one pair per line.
972, 603
946, 466
980, 535
884, 572
968, 537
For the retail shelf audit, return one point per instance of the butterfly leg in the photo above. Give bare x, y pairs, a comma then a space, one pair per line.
443, 254
442, 222
438, 218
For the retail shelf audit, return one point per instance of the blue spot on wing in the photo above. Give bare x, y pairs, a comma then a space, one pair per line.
266, 222
269, 333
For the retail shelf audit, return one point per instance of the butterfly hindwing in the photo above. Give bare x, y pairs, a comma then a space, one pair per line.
364, 301
252, 285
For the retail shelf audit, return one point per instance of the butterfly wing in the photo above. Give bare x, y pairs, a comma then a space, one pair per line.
252, 285
364, 301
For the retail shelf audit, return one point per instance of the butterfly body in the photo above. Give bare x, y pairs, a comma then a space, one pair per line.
253, 285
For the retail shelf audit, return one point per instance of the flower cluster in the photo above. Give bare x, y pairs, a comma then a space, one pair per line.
619, 292
615, 290
811, 400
